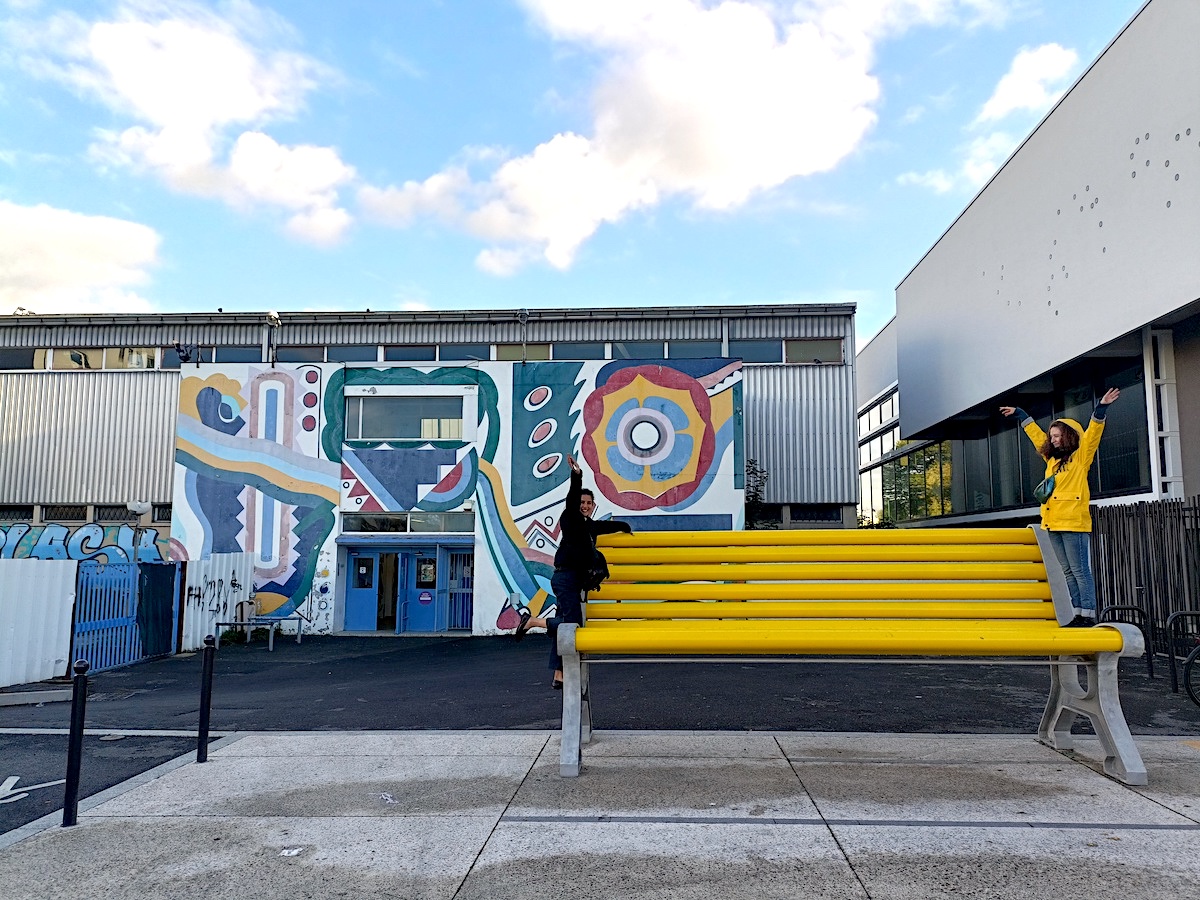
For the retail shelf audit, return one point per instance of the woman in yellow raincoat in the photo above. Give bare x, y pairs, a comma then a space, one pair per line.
1068, 449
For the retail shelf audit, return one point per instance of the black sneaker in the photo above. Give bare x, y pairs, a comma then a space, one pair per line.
1081, 622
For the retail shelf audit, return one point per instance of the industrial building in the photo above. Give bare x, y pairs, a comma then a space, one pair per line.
404, 472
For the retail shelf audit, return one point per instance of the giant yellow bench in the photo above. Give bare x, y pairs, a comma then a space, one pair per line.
937, 594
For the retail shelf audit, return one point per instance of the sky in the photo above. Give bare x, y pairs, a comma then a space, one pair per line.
308, 155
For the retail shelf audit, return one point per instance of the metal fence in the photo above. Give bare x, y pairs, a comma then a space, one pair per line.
1147, 555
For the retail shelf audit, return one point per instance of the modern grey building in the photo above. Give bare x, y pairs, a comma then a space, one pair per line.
1075, 269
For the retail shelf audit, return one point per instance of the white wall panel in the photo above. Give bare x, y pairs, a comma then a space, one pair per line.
36, 601
1087, 233
213, 588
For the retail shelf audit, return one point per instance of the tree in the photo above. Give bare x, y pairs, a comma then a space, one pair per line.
756, 485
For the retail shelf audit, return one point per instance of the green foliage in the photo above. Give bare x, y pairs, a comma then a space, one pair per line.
756, 485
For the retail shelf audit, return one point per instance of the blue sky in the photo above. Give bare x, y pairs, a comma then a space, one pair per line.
163, 156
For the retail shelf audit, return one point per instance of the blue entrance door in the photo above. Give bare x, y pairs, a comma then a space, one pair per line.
362, 591
419, 594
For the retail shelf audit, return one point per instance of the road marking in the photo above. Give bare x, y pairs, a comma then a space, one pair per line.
10, 793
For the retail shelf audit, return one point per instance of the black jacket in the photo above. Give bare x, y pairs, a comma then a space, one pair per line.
578, 533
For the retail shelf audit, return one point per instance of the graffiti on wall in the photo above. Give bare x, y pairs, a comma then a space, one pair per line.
105, 543
264, 466
249, 477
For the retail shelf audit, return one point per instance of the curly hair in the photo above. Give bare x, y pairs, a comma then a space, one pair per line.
1069, 445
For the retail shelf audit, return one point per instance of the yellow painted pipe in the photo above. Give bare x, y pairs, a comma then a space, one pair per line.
821, 537
815, 609
846, 637
830, 590
842, 553
841, 571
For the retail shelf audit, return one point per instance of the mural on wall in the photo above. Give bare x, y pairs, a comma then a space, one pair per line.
264, 465
249, 479
105, 543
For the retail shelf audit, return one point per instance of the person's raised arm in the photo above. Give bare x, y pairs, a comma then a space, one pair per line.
1030, 427
1110, 397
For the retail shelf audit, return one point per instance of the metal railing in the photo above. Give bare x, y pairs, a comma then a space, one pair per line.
1147, 556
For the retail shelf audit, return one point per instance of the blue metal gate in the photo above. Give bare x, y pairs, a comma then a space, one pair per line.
462, 591
123, 615
106, 632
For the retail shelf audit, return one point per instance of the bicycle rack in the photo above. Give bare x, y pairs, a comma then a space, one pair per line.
1172, 619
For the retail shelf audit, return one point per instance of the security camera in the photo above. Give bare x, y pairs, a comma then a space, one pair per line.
273, 319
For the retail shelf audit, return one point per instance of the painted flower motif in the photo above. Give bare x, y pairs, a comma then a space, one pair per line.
648, 437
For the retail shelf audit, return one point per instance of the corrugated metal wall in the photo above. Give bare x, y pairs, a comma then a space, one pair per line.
504, 326
87, 437
800, 427
213, 588
36, 600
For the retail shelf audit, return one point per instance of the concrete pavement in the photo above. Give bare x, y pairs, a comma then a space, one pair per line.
674, 814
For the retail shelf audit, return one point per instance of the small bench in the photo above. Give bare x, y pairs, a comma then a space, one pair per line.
243, 618
903, 595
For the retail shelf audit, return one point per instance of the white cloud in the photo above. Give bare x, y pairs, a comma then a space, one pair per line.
58, 261
192, 79
1026, 87
1028, 83
713, 103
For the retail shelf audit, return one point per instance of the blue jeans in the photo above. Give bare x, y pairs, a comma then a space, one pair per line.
568, 599
1073, 549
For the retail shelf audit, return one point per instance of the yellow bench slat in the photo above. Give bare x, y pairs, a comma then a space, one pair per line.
825, 537
820, 637
844, 553
829, 571
815, 609
830, 590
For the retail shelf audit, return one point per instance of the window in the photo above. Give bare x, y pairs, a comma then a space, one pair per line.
756, 351
637, 350
129, 358
410, 353
693, 349
171, 358
518, 352
78, 359
21, 358
404, 418
809, 352
466, 352
353, 353
161, 512
64, 513
112, 514
16, 512
385, 522
417, 522
579, 350
300, 354
241, 354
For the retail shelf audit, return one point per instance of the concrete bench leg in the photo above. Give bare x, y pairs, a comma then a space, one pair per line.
585, 713
570, 754
1101, 703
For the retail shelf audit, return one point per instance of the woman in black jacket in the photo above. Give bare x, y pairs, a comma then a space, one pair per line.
572, 560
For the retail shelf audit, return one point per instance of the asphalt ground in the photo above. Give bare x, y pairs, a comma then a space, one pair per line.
383, 683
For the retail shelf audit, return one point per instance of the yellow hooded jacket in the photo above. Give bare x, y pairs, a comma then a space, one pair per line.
1067, 509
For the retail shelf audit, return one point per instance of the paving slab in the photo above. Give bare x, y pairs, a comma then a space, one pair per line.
629, 786
601, 861
235, 858
329, 786
906, 863
998, 792
301, 744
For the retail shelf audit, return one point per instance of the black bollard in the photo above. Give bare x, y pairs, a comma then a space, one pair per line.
210, 651
75, 744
